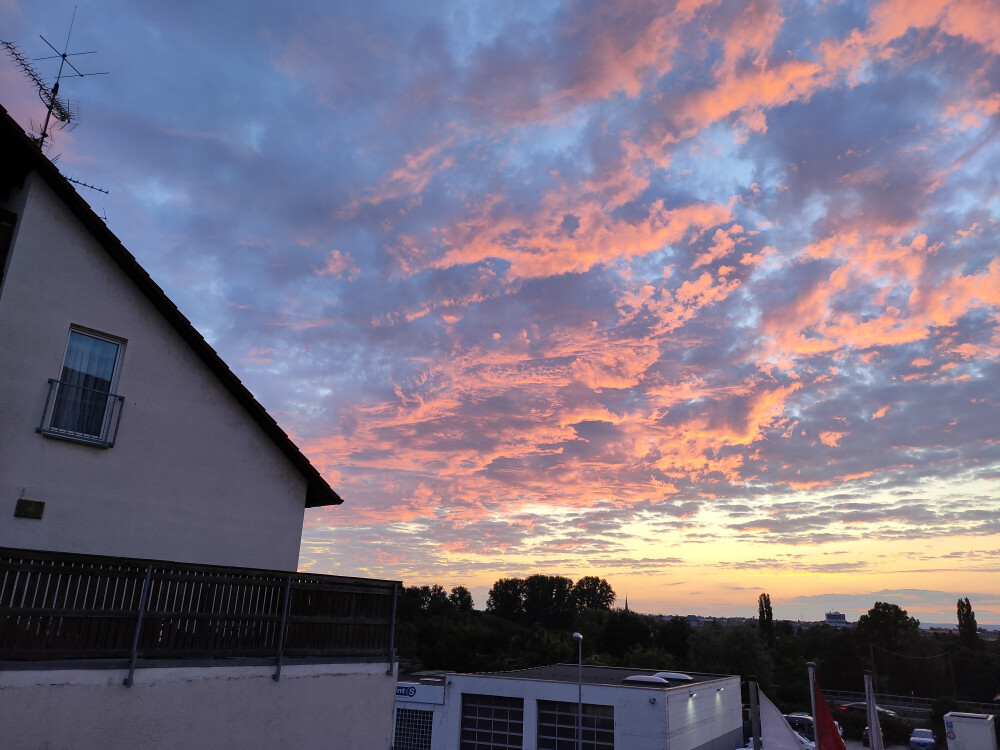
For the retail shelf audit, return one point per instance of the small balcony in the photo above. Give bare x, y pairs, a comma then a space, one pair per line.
81, 414
115, 612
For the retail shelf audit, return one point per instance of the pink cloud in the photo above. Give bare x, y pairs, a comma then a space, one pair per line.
340, 265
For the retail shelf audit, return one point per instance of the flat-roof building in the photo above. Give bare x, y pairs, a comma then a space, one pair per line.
836, 619
537, 709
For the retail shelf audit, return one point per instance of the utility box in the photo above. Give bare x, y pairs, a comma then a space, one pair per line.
970, 731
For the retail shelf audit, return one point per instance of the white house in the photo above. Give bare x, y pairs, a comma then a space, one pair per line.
538, 709
117, 415
151, 515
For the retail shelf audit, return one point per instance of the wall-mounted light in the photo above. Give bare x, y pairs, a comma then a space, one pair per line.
719, 690
652, 701
692, 695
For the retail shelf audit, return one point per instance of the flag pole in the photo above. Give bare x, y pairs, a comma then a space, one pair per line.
874, 725
754, 712
811, 666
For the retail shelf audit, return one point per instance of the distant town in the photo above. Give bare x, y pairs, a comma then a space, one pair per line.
833, 619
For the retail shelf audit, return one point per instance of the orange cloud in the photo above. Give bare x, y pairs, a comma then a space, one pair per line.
724, 242
407, 181
542, 249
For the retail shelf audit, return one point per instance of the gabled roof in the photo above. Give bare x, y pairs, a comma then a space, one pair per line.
20, 157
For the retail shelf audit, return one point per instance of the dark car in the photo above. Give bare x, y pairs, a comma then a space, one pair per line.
802, 723
862, 707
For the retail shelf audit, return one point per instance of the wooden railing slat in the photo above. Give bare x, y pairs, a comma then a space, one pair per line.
64, 606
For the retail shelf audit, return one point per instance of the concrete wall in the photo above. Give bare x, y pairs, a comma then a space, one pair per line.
710, 720
645, 718
191, 478
238, 708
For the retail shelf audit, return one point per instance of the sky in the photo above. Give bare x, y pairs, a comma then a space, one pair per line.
700, 297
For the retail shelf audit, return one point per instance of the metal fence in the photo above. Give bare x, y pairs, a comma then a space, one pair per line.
906, 704
56, 606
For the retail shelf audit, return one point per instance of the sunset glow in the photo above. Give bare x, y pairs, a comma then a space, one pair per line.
701, 297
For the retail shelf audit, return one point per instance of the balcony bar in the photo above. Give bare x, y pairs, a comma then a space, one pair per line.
57, 606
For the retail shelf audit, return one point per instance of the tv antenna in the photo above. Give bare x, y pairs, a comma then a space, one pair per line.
63, 111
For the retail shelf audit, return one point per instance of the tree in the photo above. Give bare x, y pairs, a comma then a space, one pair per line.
968, 630
731, 649
506, 599
885, 625
674, 635
411, 605
437, 600
461, 600
765, 618
591, 592
548, 601
624, 631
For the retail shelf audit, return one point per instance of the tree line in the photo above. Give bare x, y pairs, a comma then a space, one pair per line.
529, 622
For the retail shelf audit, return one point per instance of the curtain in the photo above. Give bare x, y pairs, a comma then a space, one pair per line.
82, 398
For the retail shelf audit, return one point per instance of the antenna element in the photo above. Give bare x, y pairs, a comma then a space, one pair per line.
62, 110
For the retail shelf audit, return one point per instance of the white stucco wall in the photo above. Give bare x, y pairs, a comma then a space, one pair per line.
711, 720
191, 478
239, 708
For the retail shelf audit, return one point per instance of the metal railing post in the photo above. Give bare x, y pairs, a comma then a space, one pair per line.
392, 631
281, 631
127, 682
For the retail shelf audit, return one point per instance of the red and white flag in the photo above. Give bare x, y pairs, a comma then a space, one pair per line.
827, 736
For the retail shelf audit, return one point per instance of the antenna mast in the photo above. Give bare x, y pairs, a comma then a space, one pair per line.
55, 107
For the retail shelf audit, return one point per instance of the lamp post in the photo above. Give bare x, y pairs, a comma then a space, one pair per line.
579, 690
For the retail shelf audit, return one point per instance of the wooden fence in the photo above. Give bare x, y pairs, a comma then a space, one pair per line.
56, 606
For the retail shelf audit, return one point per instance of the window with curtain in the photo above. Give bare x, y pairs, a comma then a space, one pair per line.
83, 399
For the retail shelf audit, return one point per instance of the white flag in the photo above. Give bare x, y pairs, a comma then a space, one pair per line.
775, 733
874, 727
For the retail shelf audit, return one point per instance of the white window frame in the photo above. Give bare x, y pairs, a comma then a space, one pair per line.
107, 434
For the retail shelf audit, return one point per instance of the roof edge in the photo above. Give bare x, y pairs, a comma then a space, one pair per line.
318, 491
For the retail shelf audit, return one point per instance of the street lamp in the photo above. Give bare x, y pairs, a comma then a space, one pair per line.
579, 690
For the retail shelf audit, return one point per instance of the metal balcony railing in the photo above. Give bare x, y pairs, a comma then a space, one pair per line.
85, 415
57, 606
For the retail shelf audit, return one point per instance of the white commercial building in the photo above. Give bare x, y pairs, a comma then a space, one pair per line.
538, 709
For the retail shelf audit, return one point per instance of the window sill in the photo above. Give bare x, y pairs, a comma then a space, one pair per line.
74, 437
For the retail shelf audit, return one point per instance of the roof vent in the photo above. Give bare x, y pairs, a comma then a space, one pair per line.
674, 676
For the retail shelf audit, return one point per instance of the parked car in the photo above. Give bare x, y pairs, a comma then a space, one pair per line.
923, 739
861, 706
802, 723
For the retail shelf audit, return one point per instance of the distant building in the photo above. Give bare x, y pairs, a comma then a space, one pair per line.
697, 621
836, 619
536, 709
